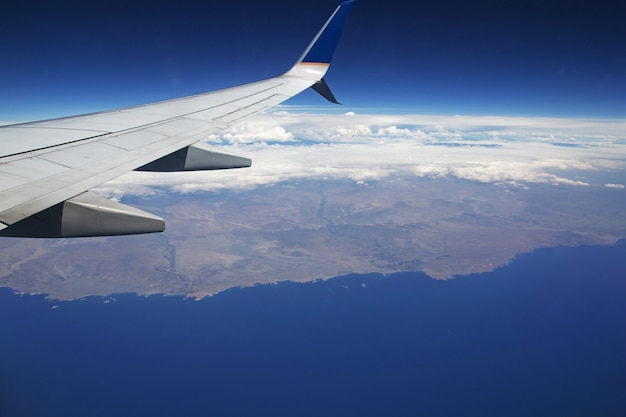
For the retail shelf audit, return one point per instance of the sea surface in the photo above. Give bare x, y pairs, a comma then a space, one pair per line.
542, 336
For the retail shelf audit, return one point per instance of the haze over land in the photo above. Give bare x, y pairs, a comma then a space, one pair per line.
336, 194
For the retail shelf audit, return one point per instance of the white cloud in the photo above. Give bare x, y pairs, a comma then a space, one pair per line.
246, 133
508, 150
620, 186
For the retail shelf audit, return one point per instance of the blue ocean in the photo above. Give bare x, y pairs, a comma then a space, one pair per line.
543, 336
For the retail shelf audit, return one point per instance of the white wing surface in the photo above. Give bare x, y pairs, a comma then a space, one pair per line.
47, 168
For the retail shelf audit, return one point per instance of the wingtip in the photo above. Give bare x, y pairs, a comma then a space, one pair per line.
324, 44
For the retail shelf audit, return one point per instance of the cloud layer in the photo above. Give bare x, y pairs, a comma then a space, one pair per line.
505, 150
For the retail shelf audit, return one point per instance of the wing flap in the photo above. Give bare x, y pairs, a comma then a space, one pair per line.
133, 140
29, 169
77, 156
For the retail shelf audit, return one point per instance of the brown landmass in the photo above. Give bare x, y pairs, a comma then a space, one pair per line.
309, 230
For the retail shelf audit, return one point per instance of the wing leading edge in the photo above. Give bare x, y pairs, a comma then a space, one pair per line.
47, 168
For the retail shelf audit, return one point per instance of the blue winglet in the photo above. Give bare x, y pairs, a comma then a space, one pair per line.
323, 46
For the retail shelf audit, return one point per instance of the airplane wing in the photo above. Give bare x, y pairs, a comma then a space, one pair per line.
47, 168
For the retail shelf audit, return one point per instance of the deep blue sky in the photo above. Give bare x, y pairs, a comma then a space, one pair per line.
534, 57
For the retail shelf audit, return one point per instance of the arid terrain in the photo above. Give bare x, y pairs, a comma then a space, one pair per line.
310, 230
